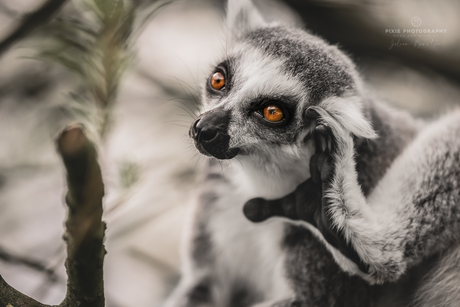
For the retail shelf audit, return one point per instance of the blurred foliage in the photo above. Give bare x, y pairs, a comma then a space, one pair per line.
95, 44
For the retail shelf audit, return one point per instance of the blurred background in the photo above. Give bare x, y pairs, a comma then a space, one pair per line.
131, 72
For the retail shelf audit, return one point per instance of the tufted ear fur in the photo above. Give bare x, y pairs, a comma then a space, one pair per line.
243, 17
348, 112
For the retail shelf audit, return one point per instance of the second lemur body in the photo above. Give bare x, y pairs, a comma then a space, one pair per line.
385, 229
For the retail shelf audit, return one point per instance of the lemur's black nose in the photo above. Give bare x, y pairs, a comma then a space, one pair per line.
202, 132
210, 132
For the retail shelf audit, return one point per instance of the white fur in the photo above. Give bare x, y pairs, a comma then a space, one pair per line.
348, 112
246, 250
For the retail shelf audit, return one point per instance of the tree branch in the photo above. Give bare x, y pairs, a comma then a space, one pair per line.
9, 297
85, 229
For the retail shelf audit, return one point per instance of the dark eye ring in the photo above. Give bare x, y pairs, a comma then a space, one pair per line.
272, 112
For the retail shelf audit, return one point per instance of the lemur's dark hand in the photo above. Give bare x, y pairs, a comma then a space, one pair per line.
307, 203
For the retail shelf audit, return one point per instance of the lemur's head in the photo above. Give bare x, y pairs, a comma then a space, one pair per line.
257, 96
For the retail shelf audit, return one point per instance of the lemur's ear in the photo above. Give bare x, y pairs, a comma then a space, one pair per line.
243, 17
349, 112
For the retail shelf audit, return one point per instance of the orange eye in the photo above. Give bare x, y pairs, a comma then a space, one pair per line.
273, 113
217, 81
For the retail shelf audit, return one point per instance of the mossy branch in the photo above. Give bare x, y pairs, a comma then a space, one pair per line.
85, 230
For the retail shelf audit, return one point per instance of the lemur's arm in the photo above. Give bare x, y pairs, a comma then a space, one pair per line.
413, 213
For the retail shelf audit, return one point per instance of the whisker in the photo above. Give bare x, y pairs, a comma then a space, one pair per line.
188, 93
187, 105
175, 121
183, 115
178, 125
193, 116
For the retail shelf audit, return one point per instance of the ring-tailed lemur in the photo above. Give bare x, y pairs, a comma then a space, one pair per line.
374, 219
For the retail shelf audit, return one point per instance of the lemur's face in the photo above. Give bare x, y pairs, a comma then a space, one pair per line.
256, 98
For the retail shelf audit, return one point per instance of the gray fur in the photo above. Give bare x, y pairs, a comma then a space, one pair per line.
444, 279
414, 211
391, 171
301, 51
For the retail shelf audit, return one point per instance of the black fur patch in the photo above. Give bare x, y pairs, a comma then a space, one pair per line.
315, 276
199, 294
244, 295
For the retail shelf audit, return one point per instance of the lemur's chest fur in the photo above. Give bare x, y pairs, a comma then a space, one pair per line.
249, 253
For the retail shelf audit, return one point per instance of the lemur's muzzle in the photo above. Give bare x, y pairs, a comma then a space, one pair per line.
210, 132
